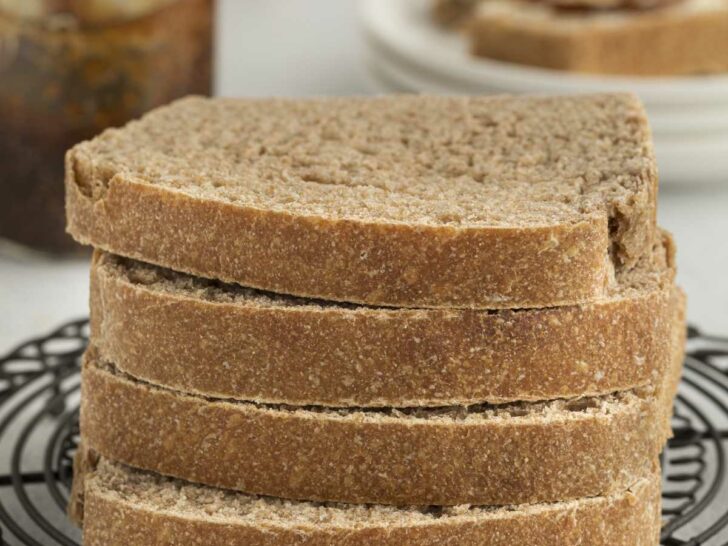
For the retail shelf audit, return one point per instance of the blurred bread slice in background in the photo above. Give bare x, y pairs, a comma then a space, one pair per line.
684, 37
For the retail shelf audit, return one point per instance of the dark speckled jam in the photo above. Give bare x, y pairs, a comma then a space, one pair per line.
71, 68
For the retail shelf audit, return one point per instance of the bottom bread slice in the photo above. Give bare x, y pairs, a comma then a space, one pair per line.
121, 506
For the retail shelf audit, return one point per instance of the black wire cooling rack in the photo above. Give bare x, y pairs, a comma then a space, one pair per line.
39, 384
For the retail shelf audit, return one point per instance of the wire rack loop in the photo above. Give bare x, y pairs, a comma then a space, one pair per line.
39, 383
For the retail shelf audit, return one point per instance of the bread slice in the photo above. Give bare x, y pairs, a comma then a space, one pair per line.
127, 507
223, 341
483, 202
488, 455
686, 37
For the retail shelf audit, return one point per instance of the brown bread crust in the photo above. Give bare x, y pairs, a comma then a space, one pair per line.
84, 463
284, 350
453, 13
369, 457
522, 267
657, 42
629, 518
381, 260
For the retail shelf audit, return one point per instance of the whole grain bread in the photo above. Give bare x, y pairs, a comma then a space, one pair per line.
127, 507
223, 341
686, 37
488, 455
482, 202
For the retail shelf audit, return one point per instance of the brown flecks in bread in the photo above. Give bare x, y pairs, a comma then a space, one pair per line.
411, 201
465, 162
221, 340
126, 506
479, 455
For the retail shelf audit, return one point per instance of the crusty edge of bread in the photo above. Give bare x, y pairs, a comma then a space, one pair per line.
343, 356
627, 518
84, 463
339, 260
649, 43
356, 457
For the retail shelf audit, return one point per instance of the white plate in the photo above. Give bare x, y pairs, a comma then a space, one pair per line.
404, 29
684, 161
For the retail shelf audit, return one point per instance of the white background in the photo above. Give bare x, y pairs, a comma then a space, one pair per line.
314, 48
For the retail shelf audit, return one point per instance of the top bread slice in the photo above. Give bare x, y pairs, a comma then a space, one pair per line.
481, 202
453, 13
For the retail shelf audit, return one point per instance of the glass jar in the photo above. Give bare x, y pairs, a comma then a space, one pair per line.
71, 68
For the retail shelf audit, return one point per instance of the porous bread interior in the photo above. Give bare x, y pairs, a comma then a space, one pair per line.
431, 161
147, 490
650, 275
512, 413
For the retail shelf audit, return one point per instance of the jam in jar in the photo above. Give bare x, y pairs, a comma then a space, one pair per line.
71, 68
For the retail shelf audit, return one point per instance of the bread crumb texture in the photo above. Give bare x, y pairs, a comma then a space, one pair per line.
483, 454
433, 201
221, 340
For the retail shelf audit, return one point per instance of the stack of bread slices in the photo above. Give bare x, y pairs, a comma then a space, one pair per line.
393, 321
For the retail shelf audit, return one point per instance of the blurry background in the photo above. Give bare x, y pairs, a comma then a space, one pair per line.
318, 47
